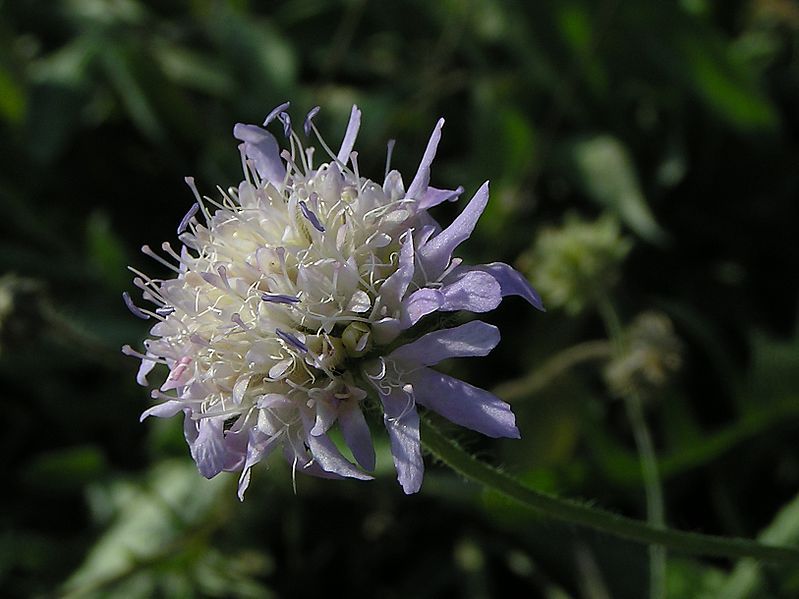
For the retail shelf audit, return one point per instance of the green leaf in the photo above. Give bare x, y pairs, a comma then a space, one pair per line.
748, 575
730, 89
607, 175
192, 70
152, 523
120, 65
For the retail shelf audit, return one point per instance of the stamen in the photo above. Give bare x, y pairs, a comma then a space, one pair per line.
354, 160
135, 310
291, 340
184, 223
312, 218
236, 317
286, 155
190, 182
145, 249
275, 112
168, 249
389, 154
284, 118
279, 298
223, 274
195, 338
309, 120
129, 351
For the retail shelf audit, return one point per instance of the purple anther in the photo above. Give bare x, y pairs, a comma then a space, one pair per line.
196, 339
165, 311
184, 223
223, 274
277, 110
279, 298
291, 340
133, 307
286, 120
312, 218
236, 317
309, 119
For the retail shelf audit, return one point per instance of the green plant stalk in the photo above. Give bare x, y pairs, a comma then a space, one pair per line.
551, 369
569, 510
655, 511
653, 489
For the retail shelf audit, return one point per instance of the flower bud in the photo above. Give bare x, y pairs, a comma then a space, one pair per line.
576, 263
651, 356
357, 339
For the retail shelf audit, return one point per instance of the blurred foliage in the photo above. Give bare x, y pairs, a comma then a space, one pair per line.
671, 124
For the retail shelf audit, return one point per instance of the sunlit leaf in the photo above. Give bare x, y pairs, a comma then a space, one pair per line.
148, 519
608, 175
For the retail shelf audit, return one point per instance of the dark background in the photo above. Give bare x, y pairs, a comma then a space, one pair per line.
677, 120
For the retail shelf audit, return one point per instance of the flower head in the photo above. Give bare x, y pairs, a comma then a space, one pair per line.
288, 290
578, 262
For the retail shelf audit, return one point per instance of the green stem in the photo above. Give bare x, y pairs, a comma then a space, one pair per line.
550, 370
655, 512
572, 511
653, 489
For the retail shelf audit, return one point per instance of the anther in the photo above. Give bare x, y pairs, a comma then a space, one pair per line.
135, 310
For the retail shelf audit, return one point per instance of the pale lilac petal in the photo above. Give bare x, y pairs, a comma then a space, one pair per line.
208, 446
235, 449
395, 286
356, 434
163, 410
422, 178
434, 196
180, 374
349, 137
145, 368
474, 291
326, 414
393, 186
419, 304
327, 455
474, 338
330, 459
402, 423
463, 403
386, 330
297, 456
436, 253
511, 282
259, 446
262, 149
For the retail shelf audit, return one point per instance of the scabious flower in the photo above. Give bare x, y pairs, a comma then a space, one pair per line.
286, 294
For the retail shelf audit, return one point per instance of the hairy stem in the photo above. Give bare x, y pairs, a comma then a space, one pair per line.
568, 510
